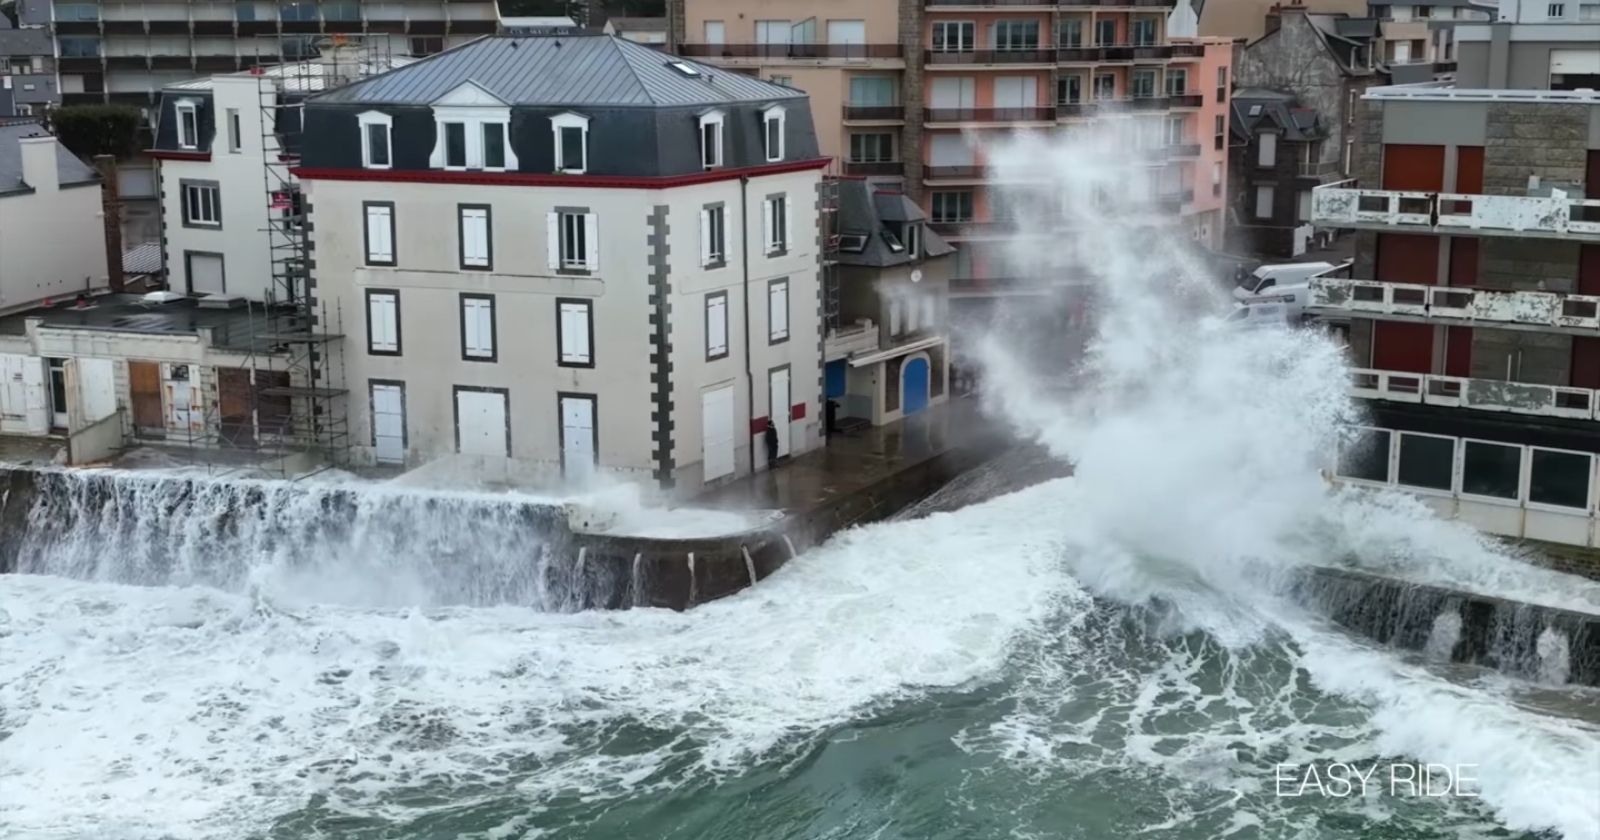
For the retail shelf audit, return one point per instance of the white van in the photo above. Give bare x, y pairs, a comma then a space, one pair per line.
1270, 279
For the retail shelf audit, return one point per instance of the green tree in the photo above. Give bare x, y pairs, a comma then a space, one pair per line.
90, 130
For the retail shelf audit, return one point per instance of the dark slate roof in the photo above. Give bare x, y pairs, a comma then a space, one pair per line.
24, 41
68, 168
130, 314
34, 12
586, 69
1342, 35
1278, 110
865, 212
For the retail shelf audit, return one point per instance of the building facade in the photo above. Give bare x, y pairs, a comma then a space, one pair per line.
27, 66
1423, 34
527, 296
51, 246
1557, 55
1472, 315
1277, 150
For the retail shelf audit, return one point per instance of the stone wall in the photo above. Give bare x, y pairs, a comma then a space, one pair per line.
1543, 139
911, 85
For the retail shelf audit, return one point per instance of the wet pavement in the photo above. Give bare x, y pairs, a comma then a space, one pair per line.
853, 461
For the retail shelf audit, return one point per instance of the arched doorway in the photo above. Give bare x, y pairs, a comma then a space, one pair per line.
915, 378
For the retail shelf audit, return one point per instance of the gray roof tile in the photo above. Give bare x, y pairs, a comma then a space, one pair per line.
562, 70
69, 169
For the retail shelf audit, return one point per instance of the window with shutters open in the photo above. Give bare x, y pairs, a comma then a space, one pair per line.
477, 328
716, 326
376, 150
574, 240
711, 139
713, 237
775, 224
575, 332
777, 311
474, 231
772, 132
383, 322
571, 142
380, 232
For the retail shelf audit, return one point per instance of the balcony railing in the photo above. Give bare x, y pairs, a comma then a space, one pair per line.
873, 167
1344, 205
1117, 52
989, 114
966, 171
1481, 394
874, 112
1035, 56
934, 4
1578, 314
1185, 100
858, 52
1183, 150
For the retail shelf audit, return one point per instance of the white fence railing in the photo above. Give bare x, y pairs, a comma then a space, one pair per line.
1482, 394
1507, 215
1487, 306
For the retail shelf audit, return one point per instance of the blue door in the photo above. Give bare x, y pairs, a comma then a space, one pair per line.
915, 376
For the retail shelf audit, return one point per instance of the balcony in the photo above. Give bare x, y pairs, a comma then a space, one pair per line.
988, 115
845, 341
879, 113
965, 173
1182, 151
1458, 306
874, 167
802, 52
1344, 205
1115, 53
1482, 394
1317, 171
78, 27
968, 58
1185, 100
78, 64
213, 27
1043, 5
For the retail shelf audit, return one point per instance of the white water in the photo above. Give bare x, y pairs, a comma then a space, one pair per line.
204, 712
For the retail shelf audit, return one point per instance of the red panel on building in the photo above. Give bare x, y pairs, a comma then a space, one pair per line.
1419, 168
1405, 347
1469, 169
1589, 270
1458, 351
1408, 258
1592, 187
1585, 362
1463, 261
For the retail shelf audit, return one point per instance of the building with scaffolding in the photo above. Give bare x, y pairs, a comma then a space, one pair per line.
528, 297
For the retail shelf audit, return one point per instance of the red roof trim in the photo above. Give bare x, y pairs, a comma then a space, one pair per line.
162, 154
528, 179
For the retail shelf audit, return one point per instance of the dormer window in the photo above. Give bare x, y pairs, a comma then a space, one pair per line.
376, 152
571, 142
188, 125
711, 140
772, 131
913, 239
473, 131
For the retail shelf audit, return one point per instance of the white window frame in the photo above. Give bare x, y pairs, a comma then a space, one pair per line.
711, 157
778, 311
192, 205
383, 322
188, 138
716, 326
371, 118
774, 114
777, 233
474, 118
557, 227
382, 213
235, 131
574, 350
570, 120
468, 218
479, 343
713, 235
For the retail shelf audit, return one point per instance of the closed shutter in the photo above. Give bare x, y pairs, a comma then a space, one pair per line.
475, 237
788, 223
576, 348
552, 229
716, 424
717, 326
380, 234
383, 318
766, 226
778, 310
705, 237
577, 437
205, 274
591, 241
477, 325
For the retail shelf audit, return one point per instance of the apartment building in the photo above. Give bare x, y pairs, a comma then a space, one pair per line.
1423, 34
1545, 11
530, 298
1473, 320
129, 50
1549, 55
27, 66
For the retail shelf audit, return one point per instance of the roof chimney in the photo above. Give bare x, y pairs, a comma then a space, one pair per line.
1274, 19
39, 163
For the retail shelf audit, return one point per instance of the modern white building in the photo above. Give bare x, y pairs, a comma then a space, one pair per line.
563, 255
52, 241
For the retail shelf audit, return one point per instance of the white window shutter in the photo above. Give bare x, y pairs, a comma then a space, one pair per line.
788, 224
894, 316
486, 328
717, 326
552, 225
912, 311
930, 312
766, 227
705, 237
591, 240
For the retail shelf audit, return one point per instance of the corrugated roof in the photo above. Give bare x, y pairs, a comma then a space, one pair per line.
561, 70
142, 259
69, 169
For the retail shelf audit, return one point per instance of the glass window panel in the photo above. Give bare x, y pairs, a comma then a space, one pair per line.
1560, 478
1426, 461
1491, 469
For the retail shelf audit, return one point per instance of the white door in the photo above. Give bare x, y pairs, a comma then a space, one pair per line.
481, 423
23, 409
716, 432
1015, 92
577, 436
953, 92
388, 424
205, 274
97, 388
778, 406
36, 399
